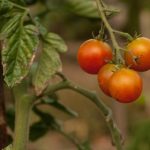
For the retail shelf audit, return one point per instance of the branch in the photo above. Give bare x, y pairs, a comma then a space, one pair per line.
92, 96
111, 31
124, 34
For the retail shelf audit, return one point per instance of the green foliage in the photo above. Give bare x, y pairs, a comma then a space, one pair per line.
21, 34
141, 137
17, 54
86, 145
37, 130
82, 8
11, 25
41, 127
4, 6
48, 122
19, 42
52, 101
49, 61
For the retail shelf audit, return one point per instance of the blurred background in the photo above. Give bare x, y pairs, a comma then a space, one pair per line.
132, 119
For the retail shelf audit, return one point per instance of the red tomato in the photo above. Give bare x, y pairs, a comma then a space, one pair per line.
138, 54
104, 76
125, 85
93, 54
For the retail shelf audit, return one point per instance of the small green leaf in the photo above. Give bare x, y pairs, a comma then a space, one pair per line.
18, 53
47, 122
83, 8
49, 62
55, 103
37, 130
56, 42
9, 147
87, 8
47, 118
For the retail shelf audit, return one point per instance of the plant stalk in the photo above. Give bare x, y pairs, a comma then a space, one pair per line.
23, 106
118, 57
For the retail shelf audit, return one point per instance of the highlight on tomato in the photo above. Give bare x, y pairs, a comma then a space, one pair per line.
125, 85
137, 55
93, 54
104, 76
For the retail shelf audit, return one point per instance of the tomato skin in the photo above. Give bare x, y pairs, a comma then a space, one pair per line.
93, 54
139, 48
125, 85
104, 76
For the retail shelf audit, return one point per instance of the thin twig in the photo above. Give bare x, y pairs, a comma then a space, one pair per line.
124, 34
110, 31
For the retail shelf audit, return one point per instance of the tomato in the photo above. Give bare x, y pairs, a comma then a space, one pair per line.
93, 54
125, 85
104, 76
138, 54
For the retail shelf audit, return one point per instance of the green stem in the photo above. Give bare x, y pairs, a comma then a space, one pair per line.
124, 34
118, 56
22, 110
66, 84
111, 10
72, 139
18, 6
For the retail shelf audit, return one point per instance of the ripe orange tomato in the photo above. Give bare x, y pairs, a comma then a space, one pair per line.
125, 85
93, 54
104, 76
140, 50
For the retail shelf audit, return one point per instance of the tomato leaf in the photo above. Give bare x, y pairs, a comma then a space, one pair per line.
56, 42
40, 128
37, 130
87, 9
18, 53
49, 62
82, 8
11, 25
58, 105
5, 6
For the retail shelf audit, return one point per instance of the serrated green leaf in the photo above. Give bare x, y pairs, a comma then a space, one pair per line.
84, 8
5, 6
49, 62
9, 147
87, 8
56, 42
18, 53
11, 25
